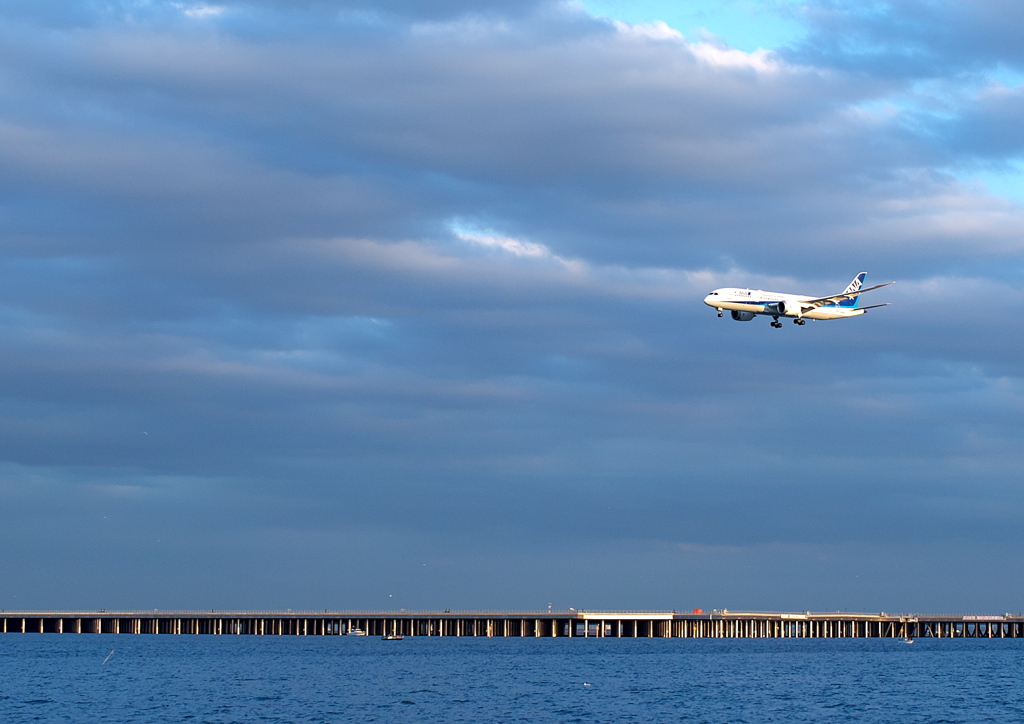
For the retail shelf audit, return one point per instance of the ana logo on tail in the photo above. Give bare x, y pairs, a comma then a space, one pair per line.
855, 285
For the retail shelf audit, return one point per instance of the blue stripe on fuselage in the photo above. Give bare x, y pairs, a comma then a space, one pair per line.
752, 302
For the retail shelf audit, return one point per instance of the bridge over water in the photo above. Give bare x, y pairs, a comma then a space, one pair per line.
539, 624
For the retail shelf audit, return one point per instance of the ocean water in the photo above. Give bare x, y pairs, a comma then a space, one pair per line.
221, 679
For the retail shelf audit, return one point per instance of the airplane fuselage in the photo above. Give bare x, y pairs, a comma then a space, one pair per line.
775, 304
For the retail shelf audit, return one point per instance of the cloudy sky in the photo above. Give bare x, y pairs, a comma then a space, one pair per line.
397, 304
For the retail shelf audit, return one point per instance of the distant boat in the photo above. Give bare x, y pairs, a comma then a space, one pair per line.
908, 639
355, 632
392, 637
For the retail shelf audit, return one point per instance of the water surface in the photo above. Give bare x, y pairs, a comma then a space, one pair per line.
222, 679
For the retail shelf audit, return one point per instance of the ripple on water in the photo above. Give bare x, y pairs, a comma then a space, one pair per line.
54, 678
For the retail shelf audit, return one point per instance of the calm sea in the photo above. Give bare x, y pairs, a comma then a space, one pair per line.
63, 678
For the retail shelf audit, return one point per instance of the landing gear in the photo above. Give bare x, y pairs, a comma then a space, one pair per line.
777, 324
801, 322
719, 312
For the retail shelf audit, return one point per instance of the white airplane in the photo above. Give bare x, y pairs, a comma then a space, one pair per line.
745, 304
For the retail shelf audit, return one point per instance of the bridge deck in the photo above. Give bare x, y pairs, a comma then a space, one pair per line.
539, 624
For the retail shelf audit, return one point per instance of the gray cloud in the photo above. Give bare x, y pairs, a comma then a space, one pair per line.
436, 288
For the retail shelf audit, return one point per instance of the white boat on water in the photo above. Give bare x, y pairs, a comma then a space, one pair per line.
355, 632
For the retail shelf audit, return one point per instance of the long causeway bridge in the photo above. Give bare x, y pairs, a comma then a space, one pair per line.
538, 624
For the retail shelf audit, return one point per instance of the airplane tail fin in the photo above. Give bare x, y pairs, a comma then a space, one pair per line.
855, 286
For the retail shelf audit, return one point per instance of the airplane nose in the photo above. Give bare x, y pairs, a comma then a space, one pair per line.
707, 301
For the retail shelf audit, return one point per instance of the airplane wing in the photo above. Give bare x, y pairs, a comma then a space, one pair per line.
835, 299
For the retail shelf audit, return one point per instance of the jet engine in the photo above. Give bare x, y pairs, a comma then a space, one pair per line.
785, 309
742, 316
792, 309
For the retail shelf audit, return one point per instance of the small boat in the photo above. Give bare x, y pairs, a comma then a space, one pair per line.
392, 637
355, 632
908, 640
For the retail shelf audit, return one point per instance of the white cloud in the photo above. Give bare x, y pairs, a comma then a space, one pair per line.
712, 54
507, 243
658, 30
762, 61
200, 11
